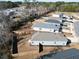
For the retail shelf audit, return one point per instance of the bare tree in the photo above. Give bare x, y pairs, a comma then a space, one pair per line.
5, 36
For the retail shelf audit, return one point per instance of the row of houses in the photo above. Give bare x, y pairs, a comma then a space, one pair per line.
49, 32
54, 27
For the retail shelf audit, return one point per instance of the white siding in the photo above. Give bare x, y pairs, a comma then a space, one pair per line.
36, 28
63, 43
55, 15
43, 29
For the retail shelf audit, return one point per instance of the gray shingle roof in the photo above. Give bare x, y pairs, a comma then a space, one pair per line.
52, 21
45, 25
46, 36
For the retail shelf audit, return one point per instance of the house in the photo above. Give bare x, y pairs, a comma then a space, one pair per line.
47, 27
55, 15
67, 27
76, 31
46, 38
60, 15
53, 18
57, 20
